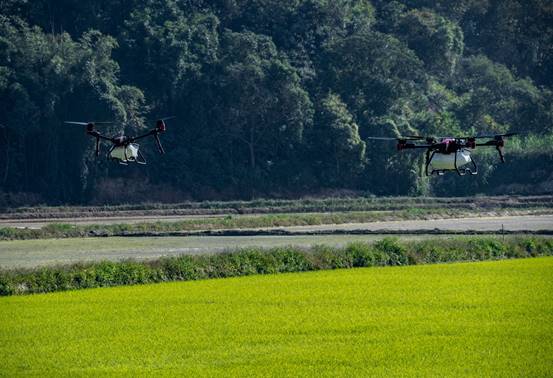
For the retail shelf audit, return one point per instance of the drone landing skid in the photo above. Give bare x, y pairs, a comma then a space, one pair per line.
464, 171
460, 172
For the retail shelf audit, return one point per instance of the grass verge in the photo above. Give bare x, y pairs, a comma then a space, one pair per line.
61, 230
478, 319
250, 261
270, 206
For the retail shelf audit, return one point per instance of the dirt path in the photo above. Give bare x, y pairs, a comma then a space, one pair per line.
31, 253
483, 222
39, 223
509, 223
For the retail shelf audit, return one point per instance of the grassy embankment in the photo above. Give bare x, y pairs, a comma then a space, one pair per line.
51, 252
279, 206
60, 230
478, 319
251, 261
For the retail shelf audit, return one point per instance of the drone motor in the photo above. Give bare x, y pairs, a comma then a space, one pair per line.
124, 149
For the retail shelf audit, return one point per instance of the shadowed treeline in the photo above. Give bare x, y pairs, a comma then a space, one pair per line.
272, 98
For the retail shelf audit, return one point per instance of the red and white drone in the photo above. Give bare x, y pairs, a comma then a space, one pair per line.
124, 149
445, 154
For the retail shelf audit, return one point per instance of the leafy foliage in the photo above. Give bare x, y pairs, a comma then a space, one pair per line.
273, 98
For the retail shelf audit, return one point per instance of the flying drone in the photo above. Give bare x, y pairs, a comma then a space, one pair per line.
124, 149
445, 154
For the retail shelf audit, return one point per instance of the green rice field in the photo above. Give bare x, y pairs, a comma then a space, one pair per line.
468, 319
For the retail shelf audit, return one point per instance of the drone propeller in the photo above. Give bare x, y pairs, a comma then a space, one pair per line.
398, 138
381, 138
161, 127
91, 131
87, 123
498, 136
167, 118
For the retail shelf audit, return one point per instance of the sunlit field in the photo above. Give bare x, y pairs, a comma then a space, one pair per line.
479, 319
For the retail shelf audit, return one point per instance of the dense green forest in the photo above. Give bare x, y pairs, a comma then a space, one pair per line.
273, 98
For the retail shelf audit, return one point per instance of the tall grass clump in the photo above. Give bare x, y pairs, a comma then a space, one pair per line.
250, 261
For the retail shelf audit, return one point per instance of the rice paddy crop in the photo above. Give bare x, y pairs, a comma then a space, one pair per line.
470, 319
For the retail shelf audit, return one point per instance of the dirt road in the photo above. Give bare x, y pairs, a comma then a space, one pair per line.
509, 223
39, 223
515, 223
31, 253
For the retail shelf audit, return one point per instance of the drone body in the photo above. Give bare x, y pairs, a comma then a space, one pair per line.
449, 162
123, 148
127, 154
450, 154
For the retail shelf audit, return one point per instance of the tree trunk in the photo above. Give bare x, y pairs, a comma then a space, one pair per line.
251, 146
7, 152
252, 150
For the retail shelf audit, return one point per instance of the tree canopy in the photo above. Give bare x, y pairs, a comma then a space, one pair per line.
272, 97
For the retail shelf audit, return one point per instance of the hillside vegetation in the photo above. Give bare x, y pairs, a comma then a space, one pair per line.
272, 98
478, 319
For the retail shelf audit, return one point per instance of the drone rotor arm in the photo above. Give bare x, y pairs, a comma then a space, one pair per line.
97, 135
155, 133
490, 143
100, 136
158, 142
498, 143
149, 133
500, 152
495, 136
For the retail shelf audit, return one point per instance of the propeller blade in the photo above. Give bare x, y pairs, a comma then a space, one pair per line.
87, 123
167, 118
494, 136
398, 138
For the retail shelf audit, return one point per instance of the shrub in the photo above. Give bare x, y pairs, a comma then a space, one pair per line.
394, 252
363, 254
179, 268
292, 260
323, 257
6, 287
389, 251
